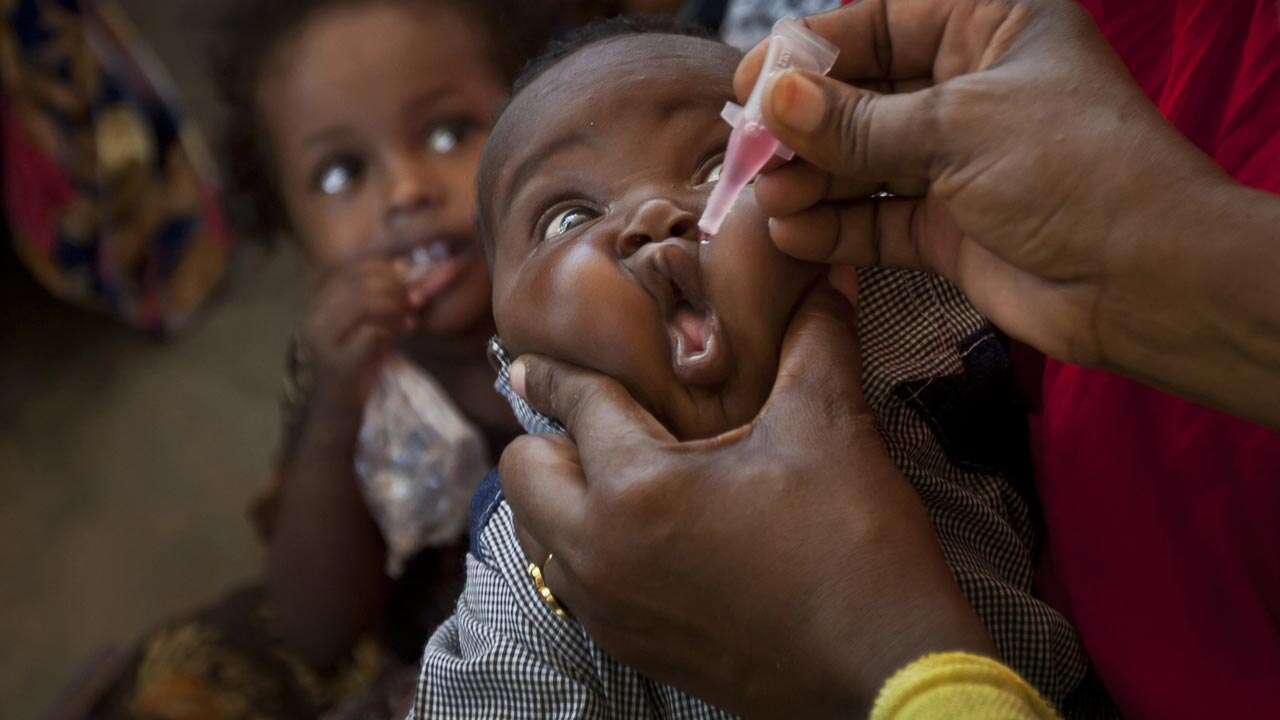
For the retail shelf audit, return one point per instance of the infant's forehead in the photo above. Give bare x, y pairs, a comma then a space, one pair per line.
604, 65
629, 74
630, 70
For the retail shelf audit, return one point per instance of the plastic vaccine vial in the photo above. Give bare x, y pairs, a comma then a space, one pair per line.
791, 45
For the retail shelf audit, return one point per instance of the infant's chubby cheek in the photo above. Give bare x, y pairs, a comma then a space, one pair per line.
745, 273
579, 308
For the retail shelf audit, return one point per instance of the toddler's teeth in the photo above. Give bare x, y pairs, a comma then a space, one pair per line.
416, 264
439, 251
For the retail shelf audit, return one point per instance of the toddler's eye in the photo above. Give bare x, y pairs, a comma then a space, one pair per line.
568, 219
444, 138
337, 177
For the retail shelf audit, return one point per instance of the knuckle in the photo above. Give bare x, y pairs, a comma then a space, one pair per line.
853, 124
580, 395
522, 450
636, 503
541, 384
944, 113
950, 107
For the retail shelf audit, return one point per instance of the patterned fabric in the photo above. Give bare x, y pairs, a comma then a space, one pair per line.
229, 663
748, 21
107, 190
533, 422
504, 654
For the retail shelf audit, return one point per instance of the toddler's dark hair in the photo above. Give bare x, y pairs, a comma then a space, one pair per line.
557, 51
255, 29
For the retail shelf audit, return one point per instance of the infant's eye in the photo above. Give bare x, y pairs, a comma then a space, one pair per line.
709, 171
444, 138
338, 176
713, 175
568, 219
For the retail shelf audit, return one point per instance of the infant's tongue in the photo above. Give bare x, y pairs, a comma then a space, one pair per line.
692, 326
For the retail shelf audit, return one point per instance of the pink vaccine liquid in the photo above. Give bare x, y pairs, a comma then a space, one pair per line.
750, 147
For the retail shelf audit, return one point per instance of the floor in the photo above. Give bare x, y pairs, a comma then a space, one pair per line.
126, 463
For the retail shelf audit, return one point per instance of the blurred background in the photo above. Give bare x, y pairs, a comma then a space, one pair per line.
126, 462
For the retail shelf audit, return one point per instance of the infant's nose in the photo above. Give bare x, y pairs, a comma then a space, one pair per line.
656, 220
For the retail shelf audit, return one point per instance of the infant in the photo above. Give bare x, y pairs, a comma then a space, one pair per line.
590, 192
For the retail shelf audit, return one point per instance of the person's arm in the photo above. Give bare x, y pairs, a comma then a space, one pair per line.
326, 558
1198, 312
1028, 167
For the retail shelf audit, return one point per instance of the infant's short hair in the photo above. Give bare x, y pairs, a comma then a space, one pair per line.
555, 53
599, 31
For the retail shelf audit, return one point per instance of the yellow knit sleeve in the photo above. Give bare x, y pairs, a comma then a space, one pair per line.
950, 686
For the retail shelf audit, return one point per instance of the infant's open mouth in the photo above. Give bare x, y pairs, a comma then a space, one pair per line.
699, 354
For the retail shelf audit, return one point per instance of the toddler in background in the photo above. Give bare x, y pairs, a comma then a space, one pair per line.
356, 130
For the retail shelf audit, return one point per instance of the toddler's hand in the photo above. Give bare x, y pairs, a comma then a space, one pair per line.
353, 319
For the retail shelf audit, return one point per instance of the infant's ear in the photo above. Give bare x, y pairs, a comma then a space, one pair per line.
497, 354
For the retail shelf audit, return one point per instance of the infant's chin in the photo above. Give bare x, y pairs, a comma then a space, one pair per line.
710, 413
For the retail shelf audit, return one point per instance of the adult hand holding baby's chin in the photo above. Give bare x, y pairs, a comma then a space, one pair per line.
783, 567
1029, 169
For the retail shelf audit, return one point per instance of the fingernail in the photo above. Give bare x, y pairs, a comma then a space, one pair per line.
517, 378
798, 102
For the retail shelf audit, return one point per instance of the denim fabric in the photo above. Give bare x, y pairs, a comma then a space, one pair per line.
483, 504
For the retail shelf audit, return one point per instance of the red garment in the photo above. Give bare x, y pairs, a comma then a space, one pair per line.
1163, 516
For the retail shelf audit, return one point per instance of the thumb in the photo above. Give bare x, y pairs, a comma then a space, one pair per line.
597, 410
820, 371
851, 132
